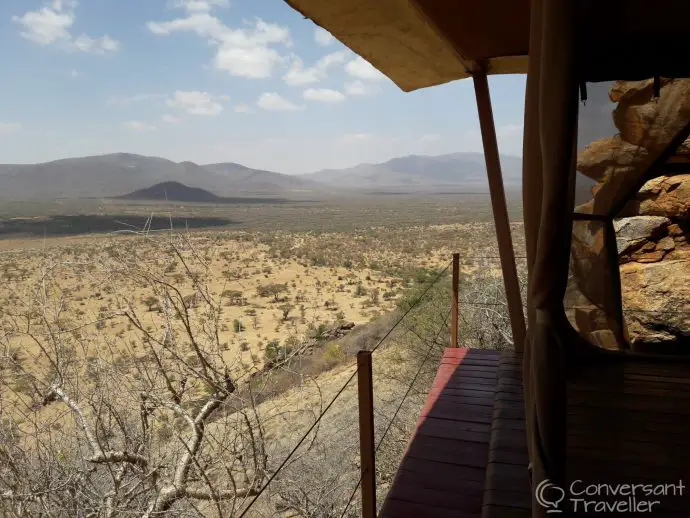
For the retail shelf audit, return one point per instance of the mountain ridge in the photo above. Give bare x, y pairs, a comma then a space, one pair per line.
466, 169
118, 174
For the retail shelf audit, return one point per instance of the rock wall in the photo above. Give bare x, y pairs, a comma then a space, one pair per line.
653, 237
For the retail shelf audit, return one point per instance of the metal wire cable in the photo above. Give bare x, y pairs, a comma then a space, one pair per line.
342, 389
397, 410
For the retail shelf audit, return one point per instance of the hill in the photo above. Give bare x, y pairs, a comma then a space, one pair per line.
466, 170
263, 181
176, 191
173, 191
122, 173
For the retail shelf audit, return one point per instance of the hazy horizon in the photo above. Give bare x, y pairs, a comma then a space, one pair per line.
217, 81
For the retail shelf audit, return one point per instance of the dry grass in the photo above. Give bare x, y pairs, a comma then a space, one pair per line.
268, 302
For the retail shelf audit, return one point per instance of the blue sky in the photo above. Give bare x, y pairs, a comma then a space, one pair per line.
248, 81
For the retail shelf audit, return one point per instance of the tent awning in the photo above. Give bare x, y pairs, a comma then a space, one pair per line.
424, 43
421, 43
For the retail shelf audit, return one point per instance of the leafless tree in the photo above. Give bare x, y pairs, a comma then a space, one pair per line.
97, 424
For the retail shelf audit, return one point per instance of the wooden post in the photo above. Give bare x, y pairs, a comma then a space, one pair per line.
365, 390
498, 204
454, 305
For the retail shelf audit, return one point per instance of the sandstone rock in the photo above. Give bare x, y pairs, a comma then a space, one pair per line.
651, 257
675, 230
634, 233
665, 196
625, 90
651, 123
666, 244
656, 302
610, 156
653, 244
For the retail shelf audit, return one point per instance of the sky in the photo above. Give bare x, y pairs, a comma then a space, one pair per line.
247, 81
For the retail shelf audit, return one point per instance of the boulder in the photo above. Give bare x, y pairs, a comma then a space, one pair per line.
633, 233
656, 302
609, 156
647, 122
665, 196
653, 242
623, 91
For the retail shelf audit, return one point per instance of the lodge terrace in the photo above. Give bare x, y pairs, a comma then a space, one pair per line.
502, 434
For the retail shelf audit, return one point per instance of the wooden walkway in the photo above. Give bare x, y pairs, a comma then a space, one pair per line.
444, 469
628, 423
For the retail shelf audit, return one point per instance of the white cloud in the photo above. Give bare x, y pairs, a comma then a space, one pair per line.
253, 63
45, 26
171, 119
51, 25
299, 75
245, 52
359, 88
139, 126
195, 6
196, 103
9, 127
243, 108
323, 95
362, 69
99, 46
271, 101
323, 37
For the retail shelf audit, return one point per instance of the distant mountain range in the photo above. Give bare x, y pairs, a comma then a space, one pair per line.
466, 170
121, 174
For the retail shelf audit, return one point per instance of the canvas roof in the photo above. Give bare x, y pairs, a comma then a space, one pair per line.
426, 42
421, 43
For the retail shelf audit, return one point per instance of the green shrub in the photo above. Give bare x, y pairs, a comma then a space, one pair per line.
237, 325
333, 354
276, 353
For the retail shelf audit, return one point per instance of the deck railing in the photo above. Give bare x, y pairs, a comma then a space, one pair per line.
392, 383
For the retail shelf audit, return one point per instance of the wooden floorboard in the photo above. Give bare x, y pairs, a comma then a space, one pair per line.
443, 471
627, 424
506, 489
394, 508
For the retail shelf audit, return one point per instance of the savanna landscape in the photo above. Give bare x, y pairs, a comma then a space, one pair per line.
164, 358
232, 234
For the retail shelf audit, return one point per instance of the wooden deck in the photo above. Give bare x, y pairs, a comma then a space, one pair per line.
627, 424
444, 469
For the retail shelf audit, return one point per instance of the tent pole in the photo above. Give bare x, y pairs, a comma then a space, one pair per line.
498, 205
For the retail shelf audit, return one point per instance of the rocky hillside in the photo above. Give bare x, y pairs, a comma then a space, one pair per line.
654, 230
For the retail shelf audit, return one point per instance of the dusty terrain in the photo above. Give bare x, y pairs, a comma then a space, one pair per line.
113, 343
